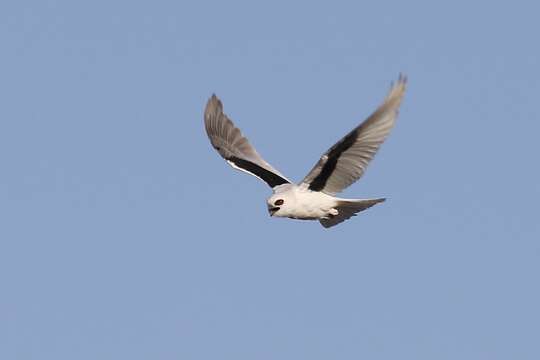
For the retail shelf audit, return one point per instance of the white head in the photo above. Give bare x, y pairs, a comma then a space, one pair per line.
281, 203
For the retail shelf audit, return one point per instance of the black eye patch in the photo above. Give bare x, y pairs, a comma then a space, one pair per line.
279, 202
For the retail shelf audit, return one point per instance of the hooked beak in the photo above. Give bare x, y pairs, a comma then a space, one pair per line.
272, 210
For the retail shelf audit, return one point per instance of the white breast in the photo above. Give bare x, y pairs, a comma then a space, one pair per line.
311, 204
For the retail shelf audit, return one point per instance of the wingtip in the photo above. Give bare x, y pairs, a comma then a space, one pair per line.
213, 103
401, 81
398, 88
402, 78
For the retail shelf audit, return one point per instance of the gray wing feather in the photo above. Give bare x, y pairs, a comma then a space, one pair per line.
229, 142
347, 160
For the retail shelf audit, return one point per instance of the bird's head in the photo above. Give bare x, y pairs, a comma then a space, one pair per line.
278, 205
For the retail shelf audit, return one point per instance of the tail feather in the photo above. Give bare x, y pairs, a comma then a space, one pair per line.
347, 209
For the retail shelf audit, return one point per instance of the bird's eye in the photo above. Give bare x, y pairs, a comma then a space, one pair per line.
279, 202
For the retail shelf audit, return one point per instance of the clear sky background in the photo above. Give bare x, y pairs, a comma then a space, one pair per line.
123, 234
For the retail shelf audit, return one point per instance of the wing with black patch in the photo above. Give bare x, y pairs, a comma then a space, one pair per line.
347, 160
229, 142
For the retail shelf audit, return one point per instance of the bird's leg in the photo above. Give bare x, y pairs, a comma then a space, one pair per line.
332, 213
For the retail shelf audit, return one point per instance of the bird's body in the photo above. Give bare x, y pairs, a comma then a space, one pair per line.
298, 202
344, 163
301, 203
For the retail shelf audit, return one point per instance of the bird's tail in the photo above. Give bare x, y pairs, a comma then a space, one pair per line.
347, 208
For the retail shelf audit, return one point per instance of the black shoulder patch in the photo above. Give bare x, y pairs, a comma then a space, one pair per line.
266, 175
333, 156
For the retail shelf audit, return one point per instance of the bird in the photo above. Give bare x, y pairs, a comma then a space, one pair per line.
314, 198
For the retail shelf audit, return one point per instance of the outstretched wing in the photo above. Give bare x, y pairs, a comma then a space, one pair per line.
346, 161
235, 148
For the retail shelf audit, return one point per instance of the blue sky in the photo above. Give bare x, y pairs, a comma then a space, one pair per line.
124, 235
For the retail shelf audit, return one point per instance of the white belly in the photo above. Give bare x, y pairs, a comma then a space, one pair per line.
311, 205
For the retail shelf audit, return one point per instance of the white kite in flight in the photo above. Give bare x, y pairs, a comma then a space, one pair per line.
344, 163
